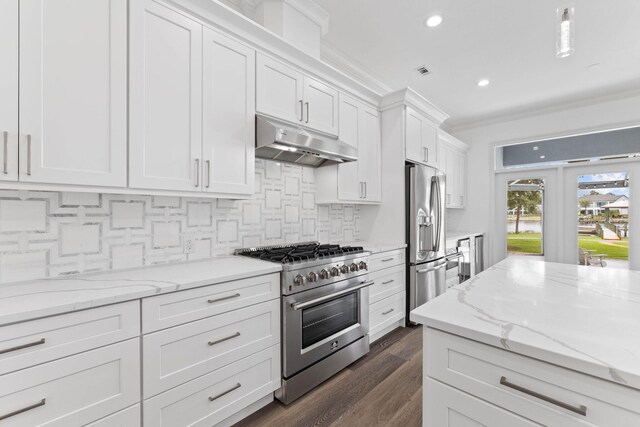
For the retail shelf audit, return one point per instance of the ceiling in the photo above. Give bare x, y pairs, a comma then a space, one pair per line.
509, 42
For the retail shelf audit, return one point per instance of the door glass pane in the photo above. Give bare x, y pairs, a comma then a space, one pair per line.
525, 199
328, 318
603, 220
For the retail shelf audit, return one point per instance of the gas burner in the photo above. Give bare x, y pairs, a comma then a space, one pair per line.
300, 252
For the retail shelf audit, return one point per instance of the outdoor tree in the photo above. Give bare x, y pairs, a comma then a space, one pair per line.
523, 201
584, 204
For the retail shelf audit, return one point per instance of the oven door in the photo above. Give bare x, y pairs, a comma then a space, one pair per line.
322, 321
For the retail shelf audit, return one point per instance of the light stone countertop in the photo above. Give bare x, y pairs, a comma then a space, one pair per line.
45, 297
582, 318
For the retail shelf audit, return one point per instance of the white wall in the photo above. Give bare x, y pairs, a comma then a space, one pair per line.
480, 213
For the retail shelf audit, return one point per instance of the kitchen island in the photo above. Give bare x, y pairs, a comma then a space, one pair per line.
530, 343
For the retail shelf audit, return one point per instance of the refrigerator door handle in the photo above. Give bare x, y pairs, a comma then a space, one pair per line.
436, 208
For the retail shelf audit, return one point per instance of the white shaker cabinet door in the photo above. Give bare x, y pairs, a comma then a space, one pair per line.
369, 162
320, 106
413, 136
430, 143
165, 146
73, 92
9, 90
349, 185
228, 115
279, 90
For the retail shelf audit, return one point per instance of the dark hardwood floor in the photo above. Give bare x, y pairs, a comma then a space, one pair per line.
384, 388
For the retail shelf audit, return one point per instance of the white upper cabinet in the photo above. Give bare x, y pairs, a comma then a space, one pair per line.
369, 158
320, 106
453, 162
9, 90
73, 91
349, 183
279, 90
287, 94
228, 115
165, 99
421, 139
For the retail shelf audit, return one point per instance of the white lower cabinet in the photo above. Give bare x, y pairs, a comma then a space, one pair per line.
387, 301
130, 417
73, 391
213, 397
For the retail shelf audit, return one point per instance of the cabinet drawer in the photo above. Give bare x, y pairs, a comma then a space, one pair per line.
129, 417
176, 308
216, 396
75, 390
492, 373
38, 341
444, 406
177, 355
386, 260
387, 282
385, 312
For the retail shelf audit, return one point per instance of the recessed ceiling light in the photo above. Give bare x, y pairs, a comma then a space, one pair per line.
543, 156
433, 21
483, 82
535, 148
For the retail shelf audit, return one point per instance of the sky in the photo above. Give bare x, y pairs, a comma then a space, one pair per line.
604, 177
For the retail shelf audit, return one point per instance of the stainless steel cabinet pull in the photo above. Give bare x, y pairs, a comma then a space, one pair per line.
6, 152
211, 301
218, 396
387, 259
315, 301
425, 154
197, 172
388, 281
581, 410
208, 162
361, 189
301, 111
29, 155
214, 342
307, 105
365, 189
387, 312
25, 409
23, 346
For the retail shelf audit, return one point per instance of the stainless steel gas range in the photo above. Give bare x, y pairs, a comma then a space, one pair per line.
325, 311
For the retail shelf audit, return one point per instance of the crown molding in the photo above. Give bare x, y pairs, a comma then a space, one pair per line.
413, 99
308, 8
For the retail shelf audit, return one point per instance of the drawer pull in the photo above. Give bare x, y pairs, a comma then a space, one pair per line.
25, 409
388, 281
218, 396
580, 410
237, 334
384, 313
387, 259
211, 301
23, 346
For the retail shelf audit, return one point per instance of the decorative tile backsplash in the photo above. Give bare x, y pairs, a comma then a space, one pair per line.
44, 234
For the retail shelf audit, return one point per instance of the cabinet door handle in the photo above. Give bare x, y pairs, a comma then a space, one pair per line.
197, 172
365, 190
301, 111
388, 281
208, 163
387, 312
387, 259
580, 410
29, 155
5, 137
307, 105
425, 153
218, 396
23, 346
25, 409
218, 341
361, 189
211, 301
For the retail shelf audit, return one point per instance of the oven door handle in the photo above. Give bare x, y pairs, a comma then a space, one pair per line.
301, 305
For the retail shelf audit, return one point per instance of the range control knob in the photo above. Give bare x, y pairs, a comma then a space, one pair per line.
363, 265
344, 269
324, 274
335, 272
312, 277
298, 280
354, 267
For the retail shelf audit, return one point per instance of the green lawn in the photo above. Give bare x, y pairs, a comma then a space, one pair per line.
614, 249
524, 243
531, 243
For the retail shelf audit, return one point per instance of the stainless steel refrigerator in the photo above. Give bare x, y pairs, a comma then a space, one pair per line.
425, 222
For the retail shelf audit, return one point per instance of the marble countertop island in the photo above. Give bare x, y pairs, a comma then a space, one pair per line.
45, 297
582, 318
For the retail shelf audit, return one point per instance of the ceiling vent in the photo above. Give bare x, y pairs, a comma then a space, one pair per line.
423, 70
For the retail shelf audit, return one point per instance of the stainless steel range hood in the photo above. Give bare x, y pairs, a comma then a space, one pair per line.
283, 142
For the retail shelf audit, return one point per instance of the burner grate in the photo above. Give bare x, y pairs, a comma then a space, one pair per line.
298, 253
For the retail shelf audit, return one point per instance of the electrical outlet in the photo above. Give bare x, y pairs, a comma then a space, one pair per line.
189, 245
